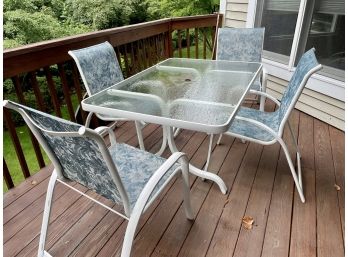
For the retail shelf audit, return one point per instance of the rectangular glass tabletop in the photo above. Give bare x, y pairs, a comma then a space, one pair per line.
202, 95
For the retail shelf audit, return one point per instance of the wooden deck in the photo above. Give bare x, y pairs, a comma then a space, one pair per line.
260, 185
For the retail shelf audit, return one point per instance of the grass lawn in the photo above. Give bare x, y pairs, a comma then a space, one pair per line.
23, 134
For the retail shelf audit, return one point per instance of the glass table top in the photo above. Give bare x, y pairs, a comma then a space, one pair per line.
188, 93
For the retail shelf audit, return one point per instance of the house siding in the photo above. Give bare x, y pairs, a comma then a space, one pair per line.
320, 106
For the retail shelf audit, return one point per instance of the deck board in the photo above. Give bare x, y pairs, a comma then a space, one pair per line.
260, 185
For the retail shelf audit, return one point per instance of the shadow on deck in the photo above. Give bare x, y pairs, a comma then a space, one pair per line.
260, 185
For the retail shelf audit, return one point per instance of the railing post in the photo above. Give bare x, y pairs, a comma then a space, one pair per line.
169, 42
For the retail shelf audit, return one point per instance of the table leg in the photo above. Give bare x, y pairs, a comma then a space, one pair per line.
164, 142
194, 170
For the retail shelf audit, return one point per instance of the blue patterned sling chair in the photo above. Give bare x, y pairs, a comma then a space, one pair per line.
99, 69
267, 128
243, 44
128, 176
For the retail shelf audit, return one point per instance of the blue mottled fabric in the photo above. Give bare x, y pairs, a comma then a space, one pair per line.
82, 161
273, 119
307, 62
244, 128
98, 66
241, 44
135, 168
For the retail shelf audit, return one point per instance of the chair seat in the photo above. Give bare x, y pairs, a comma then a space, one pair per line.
247, 129
135, 168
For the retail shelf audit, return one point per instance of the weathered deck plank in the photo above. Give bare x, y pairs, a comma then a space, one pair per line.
260, 185
303, 231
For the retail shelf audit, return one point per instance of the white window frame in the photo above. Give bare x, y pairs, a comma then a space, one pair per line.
319, 83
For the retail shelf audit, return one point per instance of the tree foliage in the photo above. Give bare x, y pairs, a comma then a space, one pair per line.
29, 21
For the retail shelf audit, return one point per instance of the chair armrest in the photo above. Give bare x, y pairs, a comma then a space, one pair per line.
264, 79
103, 129
164, 168
144, 196
259, 124
265, 95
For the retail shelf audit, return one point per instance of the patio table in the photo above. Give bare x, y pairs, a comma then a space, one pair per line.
194, 94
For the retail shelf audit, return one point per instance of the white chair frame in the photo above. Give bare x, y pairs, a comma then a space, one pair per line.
138, 124
297, 176
143, 201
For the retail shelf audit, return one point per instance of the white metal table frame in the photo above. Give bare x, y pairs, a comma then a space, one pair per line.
168, 123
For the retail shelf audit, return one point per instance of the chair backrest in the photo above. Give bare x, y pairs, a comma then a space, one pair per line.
307, 65
74, 155
240, 44
98, 67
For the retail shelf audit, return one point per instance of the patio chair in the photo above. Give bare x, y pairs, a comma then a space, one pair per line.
267, 128
99, 69
241, 44
123, 174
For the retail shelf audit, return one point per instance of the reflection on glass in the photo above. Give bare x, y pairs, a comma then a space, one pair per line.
327, 36
279, 19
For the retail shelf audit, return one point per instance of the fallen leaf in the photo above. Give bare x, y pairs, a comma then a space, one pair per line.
247, 222
33, 182
338, 188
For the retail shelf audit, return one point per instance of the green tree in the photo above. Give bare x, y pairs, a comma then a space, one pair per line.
169, 8
30, 21
97, 14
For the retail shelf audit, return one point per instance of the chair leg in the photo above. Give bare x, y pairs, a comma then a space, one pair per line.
297, 177
46, 214
88, 119
209, 151
139, 127
186, 189
219, 140
298, 153
176, 132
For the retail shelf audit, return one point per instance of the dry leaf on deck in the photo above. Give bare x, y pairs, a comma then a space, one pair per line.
247, 222
33, 182
338, 188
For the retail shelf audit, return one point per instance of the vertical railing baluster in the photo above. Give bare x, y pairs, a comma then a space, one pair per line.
19, 93
196, 44
7, 175
66, 91
78, 89
204, 43
37, 92
125, 57
188, 45
16, 143
133, 65
53, 91
179, 43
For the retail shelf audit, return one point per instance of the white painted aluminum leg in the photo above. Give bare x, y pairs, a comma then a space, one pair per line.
176, 132
138, 128
262, 103
219, 140
211, 138
186, 189
194, 170
88, 119
164, 142
46, 215
298, 154
292, 169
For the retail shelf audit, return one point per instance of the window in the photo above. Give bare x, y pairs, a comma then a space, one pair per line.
294, 26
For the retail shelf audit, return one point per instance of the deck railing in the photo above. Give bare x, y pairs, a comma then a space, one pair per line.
47, 67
